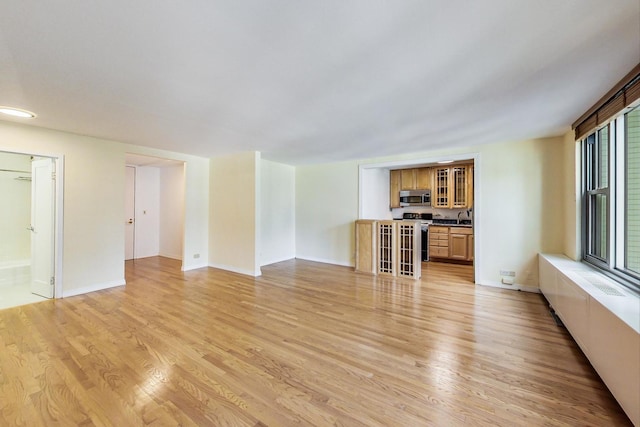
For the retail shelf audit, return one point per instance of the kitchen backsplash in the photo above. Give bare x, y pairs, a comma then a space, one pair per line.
437, 213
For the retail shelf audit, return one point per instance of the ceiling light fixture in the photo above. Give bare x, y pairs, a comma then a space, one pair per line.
16, 112
443, 162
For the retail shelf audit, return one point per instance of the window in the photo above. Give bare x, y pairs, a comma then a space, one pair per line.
611, 173
597, 194
632, 191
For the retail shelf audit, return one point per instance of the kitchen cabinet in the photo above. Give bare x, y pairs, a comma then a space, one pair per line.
386, 232
453, 187
441, 186
366, 249
459, 243
424, 177
454, 243
438, 242
408, 179
394, 188
409, 260
399, 249
390, 248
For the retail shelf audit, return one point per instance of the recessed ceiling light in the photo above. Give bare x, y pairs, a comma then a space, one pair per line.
16, 112
445, 162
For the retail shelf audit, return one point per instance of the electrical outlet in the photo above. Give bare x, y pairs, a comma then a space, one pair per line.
196, 256
507, 273
507, 280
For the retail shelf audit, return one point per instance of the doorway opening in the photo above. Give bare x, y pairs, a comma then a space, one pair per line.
448, 219
30, 241
154, 207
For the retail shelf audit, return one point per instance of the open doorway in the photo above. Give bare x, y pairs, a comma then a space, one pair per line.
441, 193
154, 207
28, 228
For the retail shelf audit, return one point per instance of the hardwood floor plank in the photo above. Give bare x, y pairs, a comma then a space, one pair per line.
304, 344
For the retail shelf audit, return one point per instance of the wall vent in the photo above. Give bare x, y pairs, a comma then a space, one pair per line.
600, 283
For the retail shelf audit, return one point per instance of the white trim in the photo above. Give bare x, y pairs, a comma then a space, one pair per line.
277, 260
177, 257
514, 287
193, 266
477, 200
93, 288
237, 270
324, 261
58, 291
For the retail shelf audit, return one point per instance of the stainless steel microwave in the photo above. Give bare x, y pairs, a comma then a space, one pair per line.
415, 198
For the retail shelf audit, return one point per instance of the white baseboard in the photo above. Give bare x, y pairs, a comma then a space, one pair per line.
325, 261
172, 256
194, 266
237, 270
276, 260
92, 288
514, 287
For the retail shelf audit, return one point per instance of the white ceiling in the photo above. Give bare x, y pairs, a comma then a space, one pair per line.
313, 81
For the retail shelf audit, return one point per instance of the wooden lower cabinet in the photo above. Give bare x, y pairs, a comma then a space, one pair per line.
409, 260
459, 243
366, 246
454, 243
389, 248
386, 233
438, 242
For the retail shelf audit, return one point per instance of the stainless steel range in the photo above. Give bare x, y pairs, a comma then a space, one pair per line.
425, 220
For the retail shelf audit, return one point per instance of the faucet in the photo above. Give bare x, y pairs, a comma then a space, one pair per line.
459, 213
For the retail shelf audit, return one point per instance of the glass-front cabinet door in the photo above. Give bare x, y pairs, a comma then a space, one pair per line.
459, 186
442, 188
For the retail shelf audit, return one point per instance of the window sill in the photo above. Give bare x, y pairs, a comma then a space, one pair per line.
624, 304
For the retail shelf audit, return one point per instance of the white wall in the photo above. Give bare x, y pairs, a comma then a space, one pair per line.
147, 207
15, 208
572, 204
171, 211
519, 208
326, 208
522, 208
234, 239
94, 178
93, 250
277, 212
374, 190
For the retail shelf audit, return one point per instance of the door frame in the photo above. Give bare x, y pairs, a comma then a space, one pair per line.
58, 228
477, 201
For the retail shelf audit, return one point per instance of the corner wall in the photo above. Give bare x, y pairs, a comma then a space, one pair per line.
234, 215
326, 208
277, 212
572, 203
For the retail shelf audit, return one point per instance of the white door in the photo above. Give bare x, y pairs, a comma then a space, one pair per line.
42, 227
129, 214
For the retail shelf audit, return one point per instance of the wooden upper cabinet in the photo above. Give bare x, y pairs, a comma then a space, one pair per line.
459, 175
469, 186
453, 187
394, 189
408, 179
441, 198
424, 176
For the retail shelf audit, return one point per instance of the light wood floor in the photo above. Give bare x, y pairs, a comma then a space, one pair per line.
305, 344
